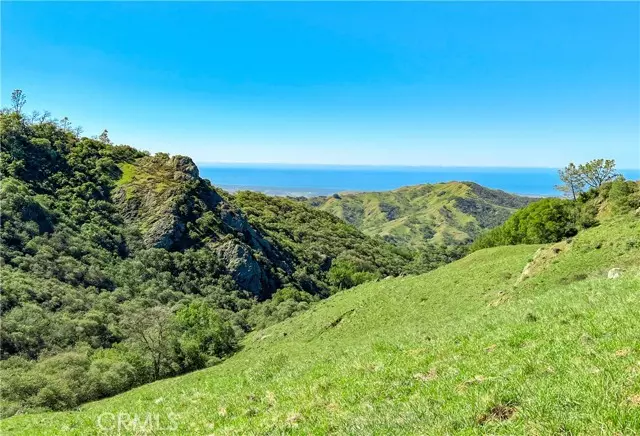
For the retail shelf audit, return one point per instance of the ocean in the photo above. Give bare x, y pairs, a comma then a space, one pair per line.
312, 180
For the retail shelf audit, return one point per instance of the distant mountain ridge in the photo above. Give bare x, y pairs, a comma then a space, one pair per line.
445, 213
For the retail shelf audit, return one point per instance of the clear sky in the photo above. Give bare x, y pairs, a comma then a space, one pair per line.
471, 84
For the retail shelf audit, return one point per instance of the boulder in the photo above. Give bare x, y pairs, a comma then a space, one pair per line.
542, 258
614, 273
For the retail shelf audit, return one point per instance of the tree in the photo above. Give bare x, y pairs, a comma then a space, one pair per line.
153, 330
204, 336
39, 118
344, 274
104, 137
18, 100
573, 182
65, 124
597, 172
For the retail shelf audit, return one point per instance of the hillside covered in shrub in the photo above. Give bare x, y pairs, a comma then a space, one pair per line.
452, 213
553, 219
120, 267
518, 339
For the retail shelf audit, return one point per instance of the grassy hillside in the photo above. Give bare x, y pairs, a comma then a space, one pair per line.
514, 340
102, 246
454, 212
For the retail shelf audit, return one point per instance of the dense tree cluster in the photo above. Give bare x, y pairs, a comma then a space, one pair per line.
553, 219
119, 268
82, 299
322, 243
93, 305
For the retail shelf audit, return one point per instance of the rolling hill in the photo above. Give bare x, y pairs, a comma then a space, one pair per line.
441, 213
523, 339
98, 239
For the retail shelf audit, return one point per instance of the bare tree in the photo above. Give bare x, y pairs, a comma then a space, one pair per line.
65, 124
104, 137
38, 118
35, 116
18, 100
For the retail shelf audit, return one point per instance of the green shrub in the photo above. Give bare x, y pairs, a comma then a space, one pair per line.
285, 303
346, 274
202, 335
624, 195
547, 220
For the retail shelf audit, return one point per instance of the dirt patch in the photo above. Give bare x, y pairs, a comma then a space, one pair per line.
634, 400
294, 418
475, 380
499, 412
503, 297
426, 377
623, 352
478, 379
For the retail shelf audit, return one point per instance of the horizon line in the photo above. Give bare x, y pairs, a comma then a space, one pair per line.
364, 165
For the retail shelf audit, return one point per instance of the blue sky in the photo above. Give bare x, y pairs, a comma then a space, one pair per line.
471, 84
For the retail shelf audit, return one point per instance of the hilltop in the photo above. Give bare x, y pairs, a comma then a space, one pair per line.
441, 213
472, 347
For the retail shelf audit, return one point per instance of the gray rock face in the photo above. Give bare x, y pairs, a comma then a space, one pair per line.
614, 273
234, 220
174, 209
184, 168
242, 266
164, 232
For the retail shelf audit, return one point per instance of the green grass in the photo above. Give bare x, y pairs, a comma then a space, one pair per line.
128, 173
462, 349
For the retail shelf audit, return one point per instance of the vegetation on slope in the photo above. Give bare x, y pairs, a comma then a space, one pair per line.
472, 347
552, 219
108, 253
324, 244
424, 215
120, 268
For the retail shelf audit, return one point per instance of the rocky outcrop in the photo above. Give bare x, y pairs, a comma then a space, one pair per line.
173, 208
152, 197
184, 169
242, 266
165, 232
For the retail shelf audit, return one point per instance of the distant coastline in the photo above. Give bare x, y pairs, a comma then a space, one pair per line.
280, 191
321, 180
